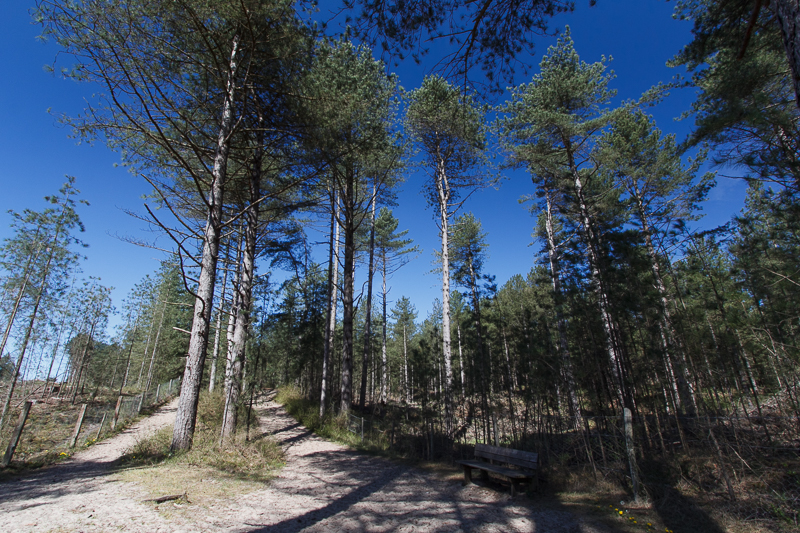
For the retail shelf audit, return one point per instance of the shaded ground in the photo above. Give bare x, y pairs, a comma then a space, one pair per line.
81, 493
323, 487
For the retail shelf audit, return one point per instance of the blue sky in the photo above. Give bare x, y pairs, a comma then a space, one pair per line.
37, 152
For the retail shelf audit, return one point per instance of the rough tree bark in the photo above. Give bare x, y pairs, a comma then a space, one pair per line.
186, 416
368, 321
232, 398
330, 325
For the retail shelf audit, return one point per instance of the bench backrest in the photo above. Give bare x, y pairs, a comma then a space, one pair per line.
507, 455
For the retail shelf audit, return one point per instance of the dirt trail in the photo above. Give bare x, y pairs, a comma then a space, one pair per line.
323, 487
81, 495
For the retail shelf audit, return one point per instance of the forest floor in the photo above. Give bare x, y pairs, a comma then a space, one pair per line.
324, 486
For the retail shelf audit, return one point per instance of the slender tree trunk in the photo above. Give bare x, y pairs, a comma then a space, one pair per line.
348, 200
233, 315
384, 364
594, 266
245, 297
368, 318
683, 385
130, 352
15, 376
147, 344
31, 259
330, 323
55, 352
461, 361
155, 347
83, 363
186, 416
561, 323
212, 378
405, 367
443, 192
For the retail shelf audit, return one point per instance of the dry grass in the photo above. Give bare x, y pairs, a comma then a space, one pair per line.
210, 472
203, 485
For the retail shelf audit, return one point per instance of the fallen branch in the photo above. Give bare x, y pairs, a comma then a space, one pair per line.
171, 497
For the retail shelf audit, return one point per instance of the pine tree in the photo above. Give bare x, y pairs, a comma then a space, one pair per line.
552, 126
448, 127
42, 244
351, 138
393, 253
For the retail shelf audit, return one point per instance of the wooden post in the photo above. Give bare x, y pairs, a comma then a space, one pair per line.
494, 427
430, 433
116, 414
628, 423
23, 417
141, 401
158, 390
103, 421
78, 425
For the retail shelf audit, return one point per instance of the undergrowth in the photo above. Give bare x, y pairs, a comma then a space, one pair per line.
671, 504
253, 460
333, 427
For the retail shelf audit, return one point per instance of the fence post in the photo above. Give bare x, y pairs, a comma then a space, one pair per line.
116, 414
103, 421
141, 401
78, 425
23, 416
158, 390
628, 429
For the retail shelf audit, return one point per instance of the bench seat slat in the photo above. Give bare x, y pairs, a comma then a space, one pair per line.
507, 455
507, 472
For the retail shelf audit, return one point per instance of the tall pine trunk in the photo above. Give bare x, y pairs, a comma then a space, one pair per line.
212, 376
384, 364
245, 288
368, 320
561, 323
679, 369
590, 243
443, 193
186, 416
330, 324
348, 201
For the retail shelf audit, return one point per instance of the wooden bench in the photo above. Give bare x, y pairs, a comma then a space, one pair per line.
486, 456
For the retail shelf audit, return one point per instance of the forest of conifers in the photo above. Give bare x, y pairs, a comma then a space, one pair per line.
258, 134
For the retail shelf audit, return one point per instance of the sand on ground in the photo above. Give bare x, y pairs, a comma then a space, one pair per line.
324, 486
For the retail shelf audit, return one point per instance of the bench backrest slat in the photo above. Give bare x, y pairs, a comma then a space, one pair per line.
507, 455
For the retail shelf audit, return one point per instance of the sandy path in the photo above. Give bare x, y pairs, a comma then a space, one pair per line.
327, 487
79, 494
323, 487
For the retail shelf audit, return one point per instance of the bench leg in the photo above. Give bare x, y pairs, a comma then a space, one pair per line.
467, 475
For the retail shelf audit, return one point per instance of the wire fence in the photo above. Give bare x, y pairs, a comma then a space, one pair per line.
53, 429
742, 465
